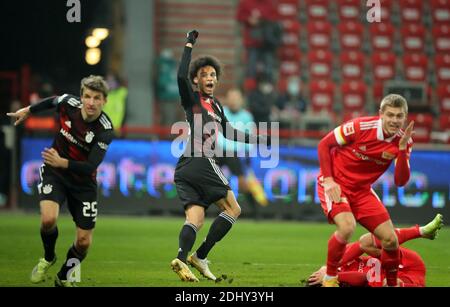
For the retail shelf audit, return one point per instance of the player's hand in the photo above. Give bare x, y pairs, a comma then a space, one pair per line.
20, 115
332, 189
409, 132
192, 37
316, 278
51, 157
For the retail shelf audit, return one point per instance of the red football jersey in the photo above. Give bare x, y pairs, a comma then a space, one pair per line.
411, 269
365, 153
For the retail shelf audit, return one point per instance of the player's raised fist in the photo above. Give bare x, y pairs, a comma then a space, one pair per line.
192, 36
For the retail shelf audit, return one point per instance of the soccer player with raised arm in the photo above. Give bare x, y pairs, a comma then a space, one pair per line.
352, 158
199, 180
69, 172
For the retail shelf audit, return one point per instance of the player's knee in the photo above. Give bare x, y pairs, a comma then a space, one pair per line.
365, 241
48, 222
346, 229
235, 211
390, 241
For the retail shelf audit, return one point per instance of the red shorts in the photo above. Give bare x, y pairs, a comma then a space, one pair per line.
365, 206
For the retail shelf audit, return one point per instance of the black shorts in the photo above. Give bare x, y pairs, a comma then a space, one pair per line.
233, 163
81, 199
200, 181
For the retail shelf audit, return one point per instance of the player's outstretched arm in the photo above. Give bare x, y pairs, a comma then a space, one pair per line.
24, 113
184, 85
20, 115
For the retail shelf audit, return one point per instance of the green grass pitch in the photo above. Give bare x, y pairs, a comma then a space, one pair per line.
136, 251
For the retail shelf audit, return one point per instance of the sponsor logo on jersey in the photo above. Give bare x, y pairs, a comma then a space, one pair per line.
68, 136
363, 148
48, 188
367, 158
387, 155
103, 145
348, 129
89, 137
68, 123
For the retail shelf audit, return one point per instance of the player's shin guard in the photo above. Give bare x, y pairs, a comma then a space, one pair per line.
219, 228
186, 240
72, 254
389, 261
336, 249
49, 241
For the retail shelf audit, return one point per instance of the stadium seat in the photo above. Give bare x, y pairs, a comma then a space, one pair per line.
442, 68
320, 64
383, 66
441, 36
411, 11
413, 37
349, 10
322, 95
288, 9
382, 36
289, 68
317, 10
291, 34
415, 67
351, 35
423, 125
352, 65
440, 11
354, 96
443, 97
444, 122
386, 10
289, 54
319, 35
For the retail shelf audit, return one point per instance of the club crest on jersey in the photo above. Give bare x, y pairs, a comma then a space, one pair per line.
348, 129
89, 136
387, 155
48, 188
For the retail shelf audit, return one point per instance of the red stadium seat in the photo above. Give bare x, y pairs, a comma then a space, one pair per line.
386, 10
317, 10
322, 95
413, 37
382, 36
440, 11
383, 66
349, 10
442, 68
411, 11
441, 36
351, 35
423, 125
289, 54
354, 96
352, 65
320, 64
444, 122
415, 67
319, 35
289, 68
288, 9
443, 96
